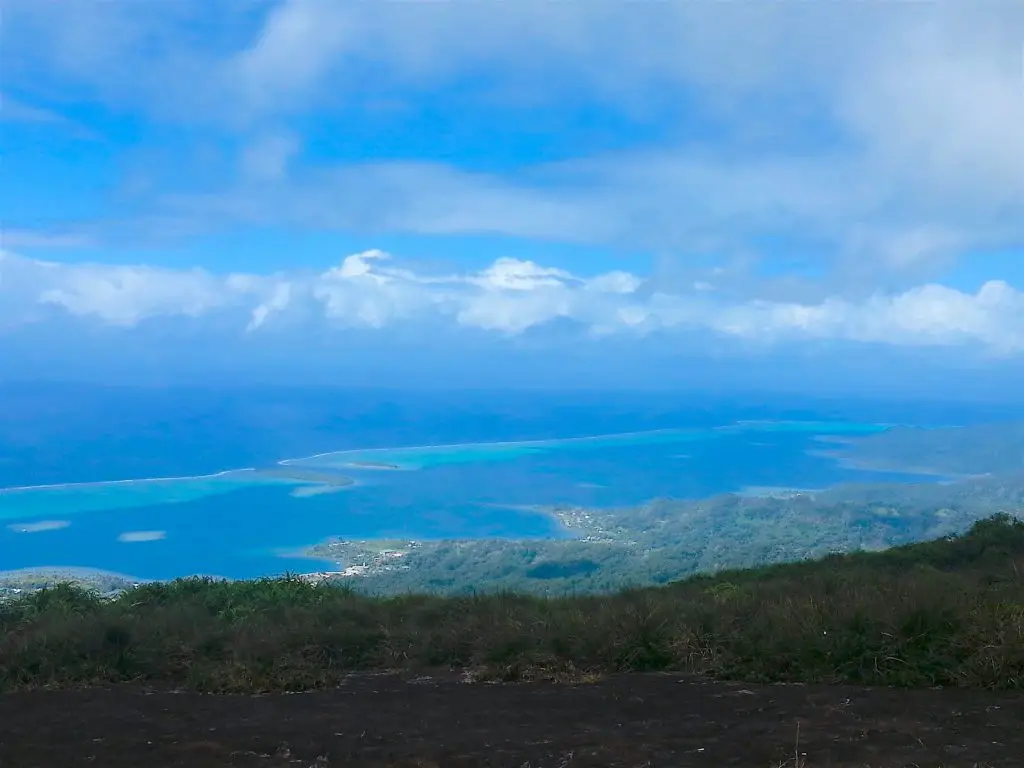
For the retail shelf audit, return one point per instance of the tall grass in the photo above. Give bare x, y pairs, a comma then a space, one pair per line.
949, 613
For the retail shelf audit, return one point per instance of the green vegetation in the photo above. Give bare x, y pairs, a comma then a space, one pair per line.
949, 612
670, 539
33, 579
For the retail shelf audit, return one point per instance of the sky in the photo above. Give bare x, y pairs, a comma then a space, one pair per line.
605, 194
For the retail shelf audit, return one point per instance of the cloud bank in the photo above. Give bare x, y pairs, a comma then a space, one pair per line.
880, 139
511, 297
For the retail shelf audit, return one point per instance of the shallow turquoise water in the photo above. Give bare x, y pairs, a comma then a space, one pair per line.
425, 457
78, 498
243, 524
27, 503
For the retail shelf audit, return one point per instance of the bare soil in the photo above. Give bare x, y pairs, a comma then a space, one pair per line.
440, 721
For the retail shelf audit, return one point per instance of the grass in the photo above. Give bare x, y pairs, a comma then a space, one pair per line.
942, 613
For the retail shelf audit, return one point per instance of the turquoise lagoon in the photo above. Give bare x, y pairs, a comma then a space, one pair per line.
247, 522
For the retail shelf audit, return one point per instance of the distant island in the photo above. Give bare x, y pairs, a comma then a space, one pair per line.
942, 613
24, 580
668, 539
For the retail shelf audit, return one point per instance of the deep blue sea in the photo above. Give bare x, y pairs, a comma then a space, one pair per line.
145, 482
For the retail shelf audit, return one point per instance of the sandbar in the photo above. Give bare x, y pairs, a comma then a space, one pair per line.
300, 475
42, 525
130, 537
305, 491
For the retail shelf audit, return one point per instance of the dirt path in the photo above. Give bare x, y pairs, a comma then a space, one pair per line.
629, 720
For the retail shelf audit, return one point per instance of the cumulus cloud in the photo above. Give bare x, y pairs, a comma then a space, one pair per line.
278, 302
511, 296
124, 295
927, 315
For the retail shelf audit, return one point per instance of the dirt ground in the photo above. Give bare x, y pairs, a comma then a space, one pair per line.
440, 721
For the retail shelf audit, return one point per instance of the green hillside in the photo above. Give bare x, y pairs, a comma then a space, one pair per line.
948, 612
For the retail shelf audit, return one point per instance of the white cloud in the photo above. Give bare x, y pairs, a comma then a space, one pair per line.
941, 102
928, 315
278, 302
355, 294
126, 295
889, 135
509, 297
515, 275
118, 294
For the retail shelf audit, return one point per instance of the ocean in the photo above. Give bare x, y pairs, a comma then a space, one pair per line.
161, 483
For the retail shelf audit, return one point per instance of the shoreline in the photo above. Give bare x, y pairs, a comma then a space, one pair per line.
776, 492
270, 475
740, 425
489, 443
129, 481
377, 554
354, 465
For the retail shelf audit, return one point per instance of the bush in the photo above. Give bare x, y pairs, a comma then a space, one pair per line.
948, 612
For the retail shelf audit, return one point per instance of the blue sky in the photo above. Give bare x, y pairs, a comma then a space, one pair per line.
378, 191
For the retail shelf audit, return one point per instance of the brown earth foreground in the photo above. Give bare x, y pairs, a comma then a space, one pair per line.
439, 721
